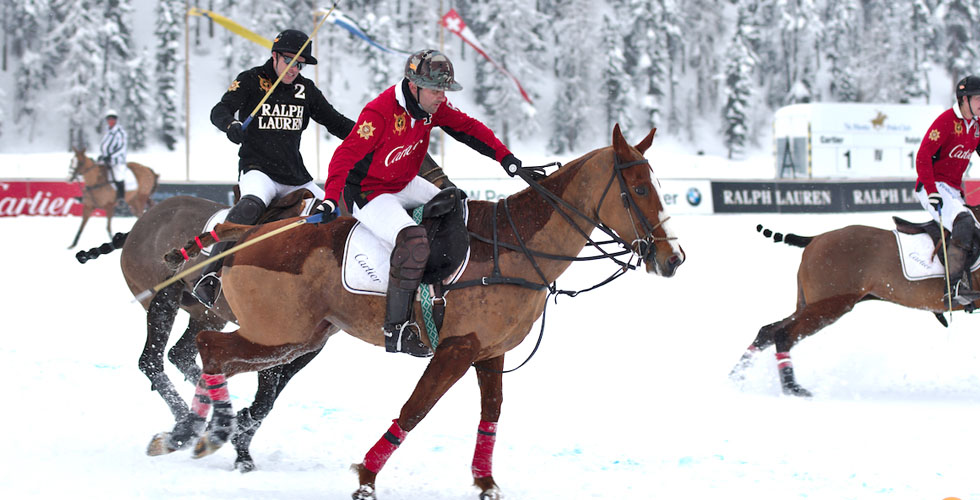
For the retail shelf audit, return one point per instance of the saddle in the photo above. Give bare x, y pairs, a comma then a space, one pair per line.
292, 205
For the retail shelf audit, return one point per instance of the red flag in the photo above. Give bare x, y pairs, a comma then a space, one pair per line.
452, 22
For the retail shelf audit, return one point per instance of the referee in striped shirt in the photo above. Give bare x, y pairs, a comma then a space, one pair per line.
113, 149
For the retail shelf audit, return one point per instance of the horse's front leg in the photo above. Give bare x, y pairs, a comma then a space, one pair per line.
86, 213
489, 374
271, 383
451, 360
109, 212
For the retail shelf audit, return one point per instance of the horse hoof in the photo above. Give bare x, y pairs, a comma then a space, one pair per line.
159, 445
491, 494
365, 492
796, 390
205, 446
244, 466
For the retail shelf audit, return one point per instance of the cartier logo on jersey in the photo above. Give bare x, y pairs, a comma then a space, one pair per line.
401, 152
281, 117
960, 153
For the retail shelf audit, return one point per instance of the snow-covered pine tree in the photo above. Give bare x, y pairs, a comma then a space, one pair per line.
961, 56
647, 57
840, 45
508, 31
384, 69
617, 90
169, 33
137, 102
116, 43
76, 38
573, 113
738, 86
33, 44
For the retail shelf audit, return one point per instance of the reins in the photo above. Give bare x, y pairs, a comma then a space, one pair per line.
642, 243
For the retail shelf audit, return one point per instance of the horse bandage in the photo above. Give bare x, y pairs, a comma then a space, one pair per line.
486, 436
382, 450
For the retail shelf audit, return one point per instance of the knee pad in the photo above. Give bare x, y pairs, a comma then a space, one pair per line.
247, 210
411, 251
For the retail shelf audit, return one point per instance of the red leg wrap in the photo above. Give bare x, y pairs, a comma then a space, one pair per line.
486, 436
217, 387
382, 450
202, 402
783, 360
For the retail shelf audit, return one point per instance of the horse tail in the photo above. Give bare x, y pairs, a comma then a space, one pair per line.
222, 232
118, 240
788, 238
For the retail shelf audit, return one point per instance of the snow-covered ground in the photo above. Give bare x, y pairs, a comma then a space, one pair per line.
628, 396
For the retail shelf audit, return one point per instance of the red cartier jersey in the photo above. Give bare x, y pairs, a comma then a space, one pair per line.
946, 150
386, 147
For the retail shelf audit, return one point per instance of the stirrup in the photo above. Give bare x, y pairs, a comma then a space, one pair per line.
405, 338
207, 288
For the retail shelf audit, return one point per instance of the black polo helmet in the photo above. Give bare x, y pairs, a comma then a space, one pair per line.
431, 69
968, 86
291, 41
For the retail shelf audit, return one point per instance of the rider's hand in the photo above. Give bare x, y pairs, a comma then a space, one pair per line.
511, 164
234, 132
936, 200
328, 209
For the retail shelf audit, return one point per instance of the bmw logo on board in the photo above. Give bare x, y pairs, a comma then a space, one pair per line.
694, 197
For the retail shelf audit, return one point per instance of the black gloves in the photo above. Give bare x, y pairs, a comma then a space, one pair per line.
511, 164
234, 132
328, 211
936, 200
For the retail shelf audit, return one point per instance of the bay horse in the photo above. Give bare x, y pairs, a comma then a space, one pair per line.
839, 269
99, 192
289, 298
165, 225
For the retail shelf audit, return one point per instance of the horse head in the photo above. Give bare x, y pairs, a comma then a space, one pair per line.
639, 216
82, 165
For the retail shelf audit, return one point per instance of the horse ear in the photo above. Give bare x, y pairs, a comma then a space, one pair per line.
620, 145
644, 145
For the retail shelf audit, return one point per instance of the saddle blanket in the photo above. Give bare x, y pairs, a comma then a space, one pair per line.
916, 253
367, 262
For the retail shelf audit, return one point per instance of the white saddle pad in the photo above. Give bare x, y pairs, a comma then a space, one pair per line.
367, 262
916, 253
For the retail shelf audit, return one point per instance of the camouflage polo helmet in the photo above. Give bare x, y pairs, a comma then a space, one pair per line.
431, 69
968, 86
291, 41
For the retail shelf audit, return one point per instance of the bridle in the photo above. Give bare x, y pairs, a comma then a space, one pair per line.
78, 171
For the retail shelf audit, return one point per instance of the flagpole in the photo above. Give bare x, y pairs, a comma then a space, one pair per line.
442, 133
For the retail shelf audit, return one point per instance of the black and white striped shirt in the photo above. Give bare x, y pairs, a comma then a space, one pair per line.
114, 146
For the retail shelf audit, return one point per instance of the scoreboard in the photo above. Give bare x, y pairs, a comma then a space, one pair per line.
849, 140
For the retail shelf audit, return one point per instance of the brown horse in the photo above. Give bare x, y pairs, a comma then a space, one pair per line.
165, 225
288, 296
100, 193
839, 268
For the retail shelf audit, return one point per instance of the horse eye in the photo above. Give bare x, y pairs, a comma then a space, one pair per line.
640, 190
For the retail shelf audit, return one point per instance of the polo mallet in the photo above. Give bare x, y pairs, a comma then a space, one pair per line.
949, 287
145, 294
290, 65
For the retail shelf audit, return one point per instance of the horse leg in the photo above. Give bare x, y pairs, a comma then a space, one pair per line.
109, 212
805, 322
159, 321
187, 428
183, 354
271, 383
451, 360
86, 213
490, 378
764, 339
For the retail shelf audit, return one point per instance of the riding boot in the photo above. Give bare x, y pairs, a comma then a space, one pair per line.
407, 266
959, 250
208, 286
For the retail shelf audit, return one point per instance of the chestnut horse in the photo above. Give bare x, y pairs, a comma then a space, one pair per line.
288, 296
165, 225
839, 268
100, 193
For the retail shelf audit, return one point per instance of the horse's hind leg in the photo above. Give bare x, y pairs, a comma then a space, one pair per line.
183, 354
451, 360
764, 339
809, 320
271, 383
159, 321
490, 378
